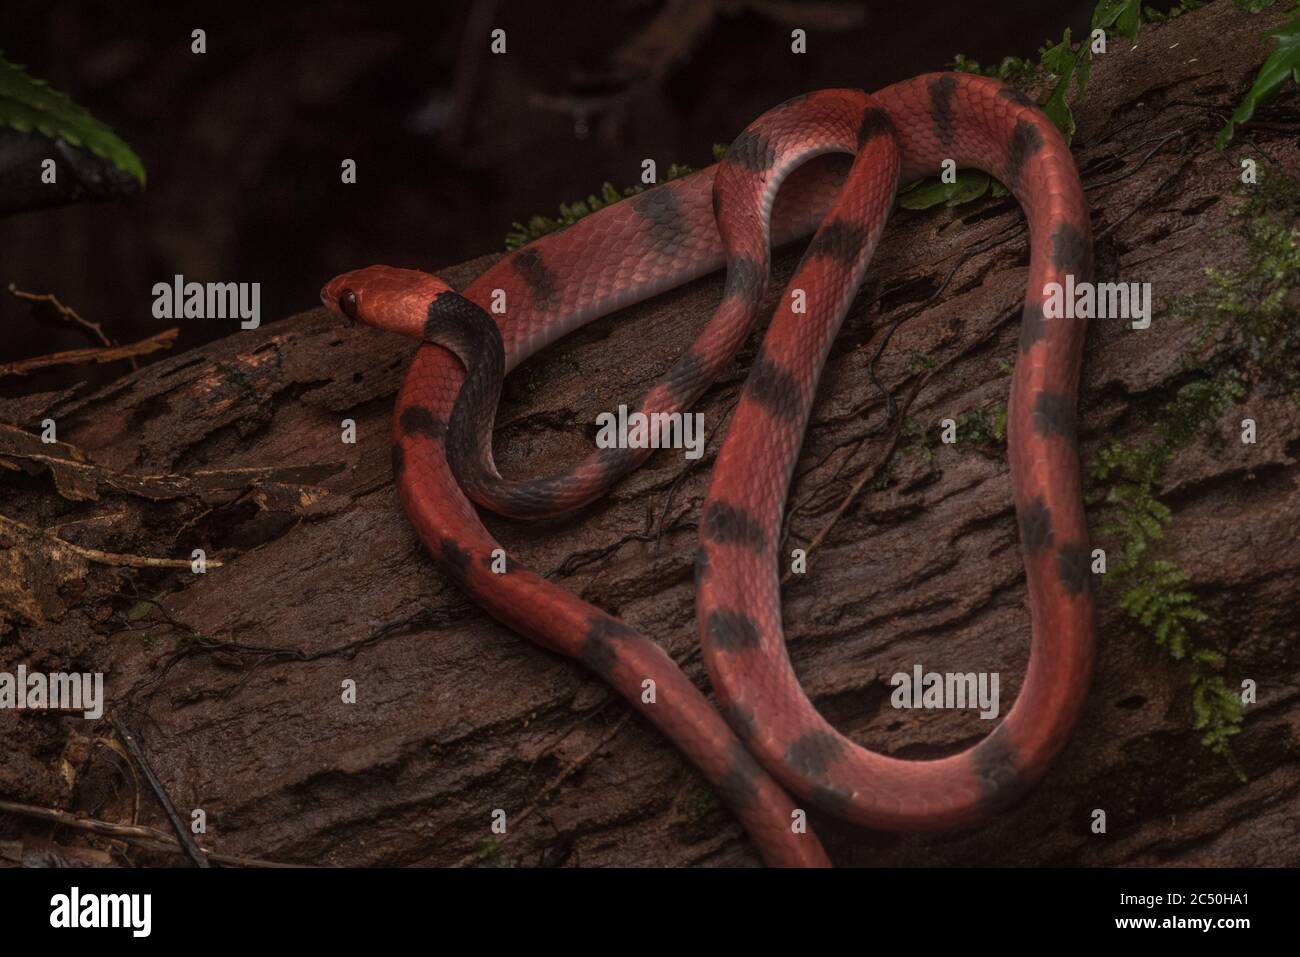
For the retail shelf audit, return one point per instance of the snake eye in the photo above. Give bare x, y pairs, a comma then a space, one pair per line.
348, 303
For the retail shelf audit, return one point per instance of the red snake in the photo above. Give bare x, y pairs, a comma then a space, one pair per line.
772, 738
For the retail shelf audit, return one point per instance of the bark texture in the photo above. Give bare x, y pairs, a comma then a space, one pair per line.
232, 679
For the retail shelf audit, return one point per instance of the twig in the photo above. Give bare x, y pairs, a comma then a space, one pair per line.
155, 343
66, 311
133, 746
101, 557
106, 517
138, 834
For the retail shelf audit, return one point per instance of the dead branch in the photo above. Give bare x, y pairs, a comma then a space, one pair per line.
94, 328
94, 554
146, 838
155, 343
132, 743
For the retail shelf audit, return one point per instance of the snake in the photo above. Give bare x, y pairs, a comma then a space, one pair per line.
829, 163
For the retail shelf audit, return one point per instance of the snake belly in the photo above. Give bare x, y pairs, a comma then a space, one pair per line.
787, 173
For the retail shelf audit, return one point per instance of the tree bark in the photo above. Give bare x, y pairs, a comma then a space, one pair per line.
232, 680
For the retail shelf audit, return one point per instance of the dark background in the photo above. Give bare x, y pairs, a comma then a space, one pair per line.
243, 144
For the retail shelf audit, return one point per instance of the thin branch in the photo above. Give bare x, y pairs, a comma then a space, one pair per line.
155, 343
142, 761
101, 557
67, 312
147, 838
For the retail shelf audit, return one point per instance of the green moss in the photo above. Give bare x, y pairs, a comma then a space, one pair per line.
977, 427
1249, 316
1000, 424
489, 854
236, 377
1009, 69
699, 802
918, 362
1068, 63
1255, 308
982, 427
912, 440
1217, 707
1155, 593
884, 476
521, 234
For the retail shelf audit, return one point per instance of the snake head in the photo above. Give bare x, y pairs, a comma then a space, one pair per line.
384, 297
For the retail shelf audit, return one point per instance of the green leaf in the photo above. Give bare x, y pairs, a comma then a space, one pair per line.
1082, 70
141, 609
970, 185
28, 104
1008, 69
1061, 61
1060, 57
522, 234
1284, 62
1124, 15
